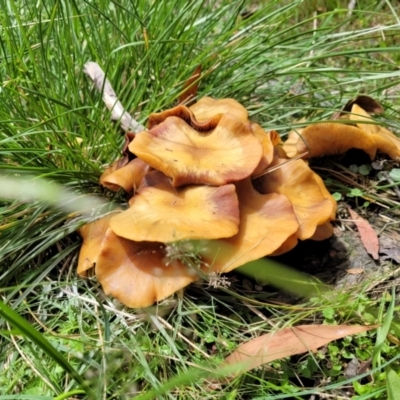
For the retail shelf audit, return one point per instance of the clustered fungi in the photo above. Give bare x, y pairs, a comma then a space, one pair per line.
206, 172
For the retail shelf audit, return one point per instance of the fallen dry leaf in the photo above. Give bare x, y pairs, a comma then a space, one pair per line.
355, 271
190, 88
367, 234
288, 342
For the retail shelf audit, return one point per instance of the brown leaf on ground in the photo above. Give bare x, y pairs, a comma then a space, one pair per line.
190, 88
288, 342
355, 271
367, 234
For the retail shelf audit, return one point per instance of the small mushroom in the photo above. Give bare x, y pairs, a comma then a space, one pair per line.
138, 274
328, 138
312, 205
226, 154
331, 138
386, 141
267, 220
128, 177
161, 213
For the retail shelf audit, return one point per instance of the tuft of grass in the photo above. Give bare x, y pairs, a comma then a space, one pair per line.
283, 60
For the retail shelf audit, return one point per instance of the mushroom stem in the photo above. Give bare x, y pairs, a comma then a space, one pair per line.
118, 112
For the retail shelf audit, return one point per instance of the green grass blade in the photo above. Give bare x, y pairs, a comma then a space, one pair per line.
32, 334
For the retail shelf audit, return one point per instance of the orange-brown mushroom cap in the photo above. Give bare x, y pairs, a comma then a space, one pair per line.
138, 274
228, 153
289, 244
186, 115
267, 220
328, 138
161, 213
128, 177
207, 107
268, 140
295, 179
323, 232
386, 141
93, 235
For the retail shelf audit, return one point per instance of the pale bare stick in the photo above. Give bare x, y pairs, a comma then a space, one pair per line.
118, 112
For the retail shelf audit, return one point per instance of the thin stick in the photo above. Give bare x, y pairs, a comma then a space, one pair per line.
118, 112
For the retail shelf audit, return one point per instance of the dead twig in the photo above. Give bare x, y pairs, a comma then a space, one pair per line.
118, 112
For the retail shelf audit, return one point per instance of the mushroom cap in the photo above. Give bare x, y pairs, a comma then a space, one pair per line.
267, 140
385, 141
207, 107
120, 163
312, 205
289, 244
138, 274
228, 153
328, 138
93, 235
267, 220
161, 213
326, 194
324, 231
187, 115
127, 177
